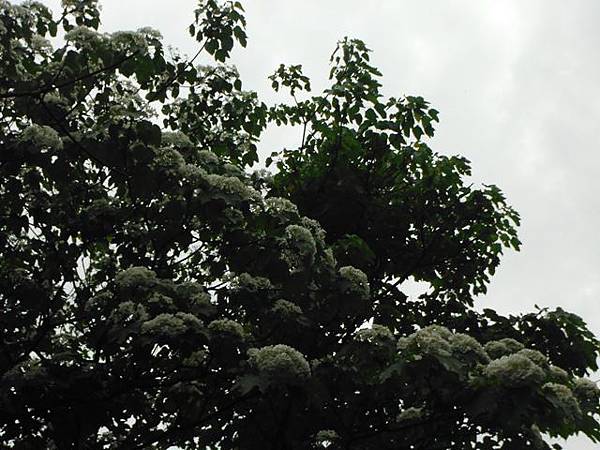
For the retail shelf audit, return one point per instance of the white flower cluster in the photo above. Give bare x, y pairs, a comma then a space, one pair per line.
172, 325
357, 281
329, 257
438, 341
134, 278
514, 370
128, 312
169, 161
376, 334
300, 249
564, 399
232, 186
232, 170
206, 157
175, 139
536, 357
286, 310
247, 282
132, 40
315, 228
278, 205
42, 136
40, 44
196, 359
558, 375
587, 392
83, 36
227, 328
279, 363
431, 340
410, 414
326, 436
503, 347
467, 346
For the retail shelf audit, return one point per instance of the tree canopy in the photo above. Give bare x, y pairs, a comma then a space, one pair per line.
155, 291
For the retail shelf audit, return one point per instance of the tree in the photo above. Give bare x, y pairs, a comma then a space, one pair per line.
155, 292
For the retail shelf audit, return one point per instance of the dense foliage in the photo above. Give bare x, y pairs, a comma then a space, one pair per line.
155, 292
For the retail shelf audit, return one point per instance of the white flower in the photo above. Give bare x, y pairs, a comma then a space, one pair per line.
535, 356
301, 247
315, 228
356, 281
586, 391
232, 186
132, 40
42, 136
207, 157
432, 340
286, 310
558, 375
195, 359
562, 397
376, 334
135, 278
326, 436
227, 328
464, 345
279, 362
281, 206
514, 370
172, 325
247, 282
410, 414
128, 312
83, 36
176, 139
503, 347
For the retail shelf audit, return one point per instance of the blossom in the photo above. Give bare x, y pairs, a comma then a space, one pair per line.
279, 362
315, 228
231, 186
247, 282
83, 36
132, 40
503, 347
176, 139
535, 356
169, 161
281, 206
285, 309
586, 391
326, 436
128, 312
301, 247
356, 282
376, 334
409, 414
464, 345
563, 399
514, 370
42, 136
172, 325
432, 340
195, 359
206, 157
135, 278
226, 328
558, 374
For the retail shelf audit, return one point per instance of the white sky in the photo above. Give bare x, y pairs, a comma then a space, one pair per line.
517, 84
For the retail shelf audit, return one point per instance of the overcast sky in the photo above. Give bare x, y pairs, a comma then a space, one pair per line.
517, 84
